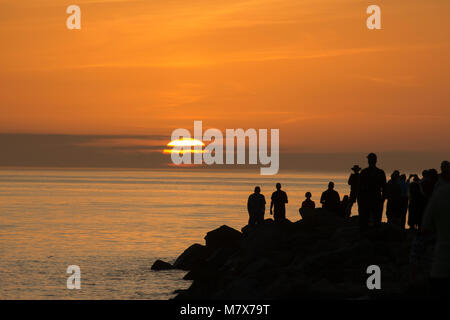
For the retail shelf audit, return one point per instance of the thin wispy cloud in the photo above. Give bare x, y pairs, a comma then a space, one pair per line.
395, 81
259, 56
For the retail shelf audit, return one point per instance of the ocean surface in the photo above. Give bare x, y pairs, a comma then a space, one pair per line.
114, 224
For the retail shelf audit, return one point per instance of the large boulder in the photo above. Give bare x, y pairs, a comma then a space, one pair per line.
306, 213
386, 232
201, 272
241, 289
191, 257
220, 256
161, 265
256, 266
223, 237
268, 236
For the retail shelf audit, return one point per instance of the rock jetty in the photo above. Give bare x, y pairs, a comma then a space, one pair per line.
321, 257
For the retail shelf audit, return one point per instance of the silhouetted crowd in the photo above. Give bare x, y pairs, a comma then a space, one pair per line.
370, 189
426, 199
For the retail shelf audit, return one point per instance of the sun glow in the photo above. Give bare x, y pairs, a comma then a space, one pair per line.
184, 142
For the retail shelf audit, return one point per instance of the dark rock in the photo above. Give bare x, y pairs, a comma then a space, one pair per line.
307, 213
202, 273
265, 222
178, 291
322, 256
194, 255
161, 265
242, 289
220, 256
324, 288
223, 237
386, 232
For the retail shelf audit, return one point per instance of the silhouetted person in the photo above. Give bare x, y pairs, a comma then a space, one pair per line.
308, 203
308, 206
345, 207
404, 200
256, 205
426, 184
353, 182
278, 203
417, 203
444, 177
434, 177
437, 219
393, 196
371, 193
330, 199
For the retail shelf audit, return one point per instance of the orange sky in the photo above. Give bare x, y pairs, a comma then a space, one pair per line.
307, 67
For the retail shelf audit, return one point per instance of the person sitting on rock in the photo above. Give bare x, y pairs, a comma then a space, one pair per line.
308, 206
256, 206
330, 199
278, 203
308, 203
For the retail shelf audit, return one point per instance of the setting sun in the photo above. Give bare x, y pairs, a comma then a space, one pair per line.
183, 143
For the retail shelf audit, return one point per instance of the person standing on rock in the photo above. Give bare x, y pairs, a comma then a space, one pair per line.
417, 203
437, 219
278, 203
353, 182
404, 200
444, 177
394, 198
371, 195
256, 206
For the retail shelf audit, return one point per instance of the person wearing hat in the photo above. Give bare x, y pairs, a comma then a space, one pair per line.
353, 182
371, 193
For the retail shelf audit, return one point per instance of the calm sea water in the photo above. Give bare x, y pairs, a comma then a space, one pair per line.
115, 224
